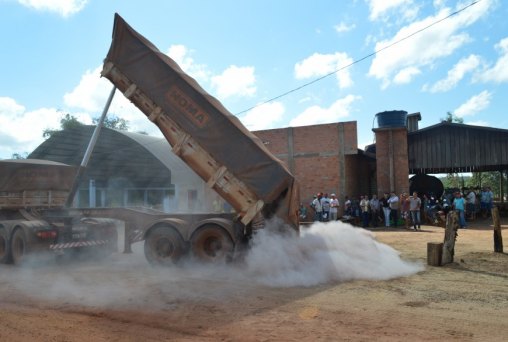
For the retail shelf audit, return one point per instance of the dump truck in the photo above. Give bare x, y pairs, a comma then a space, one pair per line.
212, 142
33, 217
209, 139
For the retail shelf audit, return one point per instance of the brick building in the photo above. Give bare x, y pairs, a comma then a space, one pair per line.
324, 158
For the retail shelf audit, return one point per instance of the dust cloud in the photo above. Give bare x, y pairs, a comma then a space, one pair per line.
322, 254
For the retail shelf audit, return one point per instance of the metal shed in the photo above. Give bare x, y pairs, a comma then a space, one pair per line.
451, 147
127, 169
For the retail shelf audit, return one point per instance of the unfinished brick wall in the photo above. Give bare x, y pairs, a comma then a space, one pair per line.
323, 158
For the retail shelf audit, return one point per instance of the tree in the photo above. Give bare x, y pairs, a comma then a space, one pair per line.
450, 117
70, 121
114, 123
491, 179
66, 122
19, 155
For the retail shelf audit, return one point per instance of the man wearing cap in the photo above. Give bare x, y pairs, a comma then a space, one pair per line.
325, 207
334, 206
318, 209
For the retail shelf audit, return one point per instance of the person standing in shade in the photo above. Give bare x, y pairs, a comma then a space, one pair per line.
318, 210
386, 209
460, 206
325, 206
470, 204
393, 201
364, 206
415, 203
374, 210
348, 210
404, 209
334, 207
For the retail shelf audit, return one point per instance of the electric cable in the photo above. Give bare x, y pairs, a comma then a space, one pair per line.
359, 60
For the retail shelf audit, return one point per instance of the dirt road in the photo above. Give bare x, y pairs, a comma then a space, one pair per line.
126, 300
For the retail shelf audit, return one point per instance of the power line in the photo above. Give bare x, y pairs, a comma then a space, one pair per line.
359, 60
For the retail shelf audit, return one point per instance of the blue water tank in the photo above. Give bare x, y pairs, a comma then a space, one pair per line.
392, 118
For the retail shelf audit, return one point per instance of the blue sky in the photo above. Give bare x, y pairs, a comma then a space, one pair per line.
248, 52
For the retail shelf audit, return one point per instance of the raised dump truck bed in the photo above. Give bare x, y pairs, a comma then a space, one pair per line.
207, 137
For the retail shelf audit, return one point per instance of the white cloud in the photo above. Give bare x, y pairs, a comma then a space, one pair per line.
317, 115
343, 27
475, 104
64, 8
380, 8
406, 75
181, 55
91, 94
499, 72
21, 130
424, 48
319, 65
235, 81
264, 116
455, 74
439, 3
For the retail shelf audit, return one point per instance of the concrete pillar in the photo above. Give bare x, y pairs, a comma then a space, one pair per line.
392, 165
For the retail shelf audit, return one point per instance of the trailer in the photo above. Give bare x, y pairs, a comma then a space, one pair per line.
33, 217
212, 142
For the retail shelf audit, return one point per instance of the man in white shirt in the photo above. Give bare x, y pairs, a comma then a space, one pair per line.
470, 204
393, 201
318, 209
334, 206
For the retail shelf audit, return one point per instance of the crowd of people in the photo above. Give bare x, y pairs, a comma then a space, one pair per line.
392, 210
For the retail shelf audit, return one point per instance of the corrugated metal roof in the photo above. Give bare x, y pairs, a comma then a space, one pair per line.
143, 160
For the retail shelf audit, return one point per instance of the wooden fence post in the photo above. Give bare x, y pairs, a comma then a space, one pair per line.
498, 237
450, 237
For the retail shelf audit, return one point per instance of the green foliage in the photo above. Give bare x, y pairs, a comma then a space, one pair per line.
19, 155
66, 122
114, 122
490, 179
453, 180
477, 180
450, 117
70, 121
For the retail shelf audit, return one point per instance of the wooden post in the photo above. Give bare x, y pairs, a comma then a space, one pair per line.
450, 238
434, 253
498, 238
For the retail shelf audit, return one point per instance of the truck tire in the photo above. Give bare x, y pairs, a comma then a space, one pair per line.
4, 246
164, 246
19, 247
212, 243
